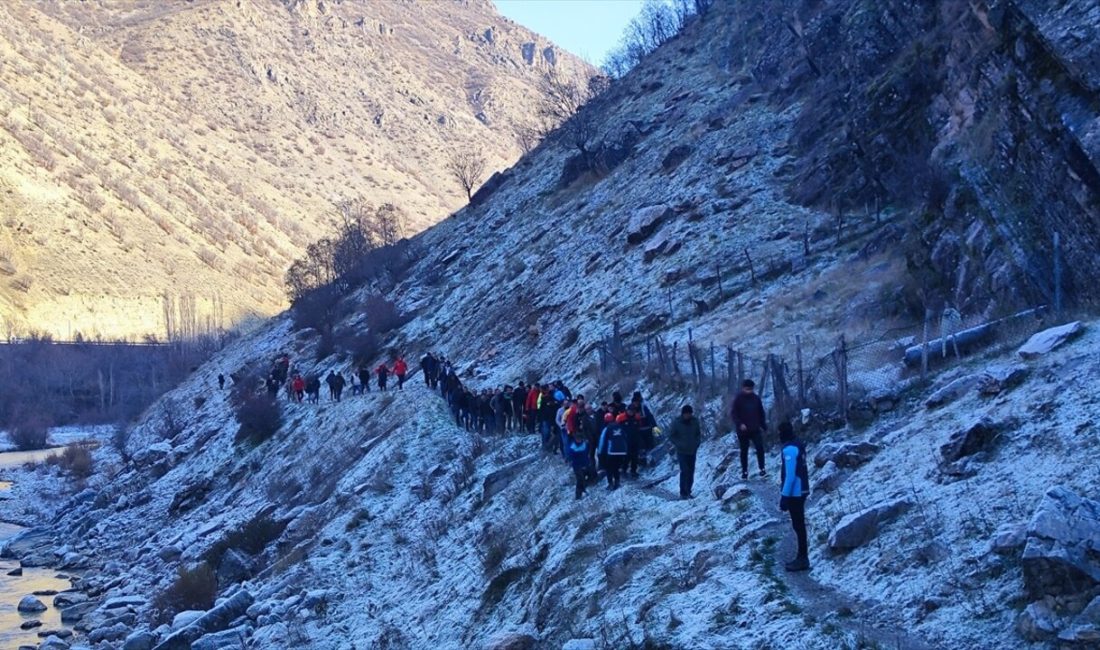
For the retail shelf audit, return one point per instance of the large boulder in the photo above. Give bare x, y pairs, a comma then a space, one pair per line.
858, 528
846, 454
645, 222
828, 478
1045, 341
109, 633
1009, 539
1062, 553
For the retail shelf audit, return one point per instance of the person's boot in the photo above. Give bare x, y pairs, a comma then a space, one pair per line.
800, 563
744, 475
763, 473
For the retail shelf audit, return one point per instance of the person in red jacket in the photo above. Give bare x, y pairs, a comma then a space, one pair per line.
298, 387
383, 374
399, 369
531, 407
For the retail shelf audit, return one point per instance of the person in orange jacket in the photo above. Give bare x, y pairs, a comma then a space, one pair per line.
399, 369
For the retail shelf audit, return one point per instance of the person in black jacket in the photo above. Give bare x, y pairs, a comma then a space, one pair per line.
749, 421
519, 397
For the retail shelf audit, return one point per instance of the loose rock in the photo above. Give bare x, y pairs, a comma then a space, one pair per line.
30, 605
1045, 341
856, 529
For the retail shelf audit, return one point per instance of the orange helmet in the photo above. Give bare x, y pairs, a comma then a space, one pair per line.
621, 418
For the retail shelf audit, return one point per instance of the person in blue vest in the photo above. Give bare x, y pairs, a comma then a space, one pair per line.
613, 450
578, 456
796, 487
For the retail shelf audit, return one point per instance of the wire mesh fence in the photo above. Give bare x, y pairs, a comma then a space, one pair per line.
858, 372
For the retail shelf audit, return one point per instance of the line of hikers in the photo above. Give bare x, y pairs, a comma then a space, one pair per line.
307, 388
617, 438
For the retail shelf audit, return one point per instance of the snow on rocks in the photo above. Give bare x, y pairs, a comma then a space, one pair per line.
952, 391
30, 605
1062, 554
53, 643
846, 454
1009, 539
645, 222
1001, 378
140, 640
828, 478
1043, 342
185, 618
217, 619
579, 644
858, 528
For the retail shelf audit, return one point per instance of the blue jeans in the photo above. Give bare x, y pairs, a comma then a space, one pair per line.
544, 430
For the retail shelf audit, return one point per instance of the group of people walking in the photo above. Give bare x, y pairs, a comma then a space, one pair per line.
307, 388
616, 438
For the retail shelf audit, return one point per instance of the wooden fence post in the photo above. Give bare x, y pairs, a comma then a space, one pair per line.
1057, 275
924, 345
801, 380
840, 362
752, 271
718, 269
713, 374
740, 369
668, 294
729, 369
675, 364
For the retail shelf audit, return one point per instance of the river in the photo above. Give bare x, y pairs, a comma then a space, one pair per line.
14, 588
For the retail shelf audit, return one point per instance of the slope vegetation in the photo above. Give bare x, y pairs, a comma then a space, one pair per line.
194, 149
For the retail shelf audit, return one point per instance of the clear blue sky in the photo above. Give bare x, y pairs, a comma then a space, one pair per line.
588, 28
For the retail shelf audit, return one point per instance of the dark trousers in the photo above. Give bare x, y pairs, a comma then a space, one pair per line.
400, 382
580, 474
382, 383
633, 448
757, 440
427, 379
796, 506
613, 464
687, 473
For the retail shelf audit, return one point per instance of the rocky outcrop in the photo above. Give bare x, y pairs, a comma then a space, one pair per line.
1062, 554
512, 641
976, 438
952, 391
645, 222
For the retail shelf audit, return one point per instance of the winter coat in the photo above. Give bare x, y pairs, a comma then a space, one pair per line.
613, 441
382, 370
686, 436
400, 367
532, 403
519, 398
578, 454
748, 410
795, 476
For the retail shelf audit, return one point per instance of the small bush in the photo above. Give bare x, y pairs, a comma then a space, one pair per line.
77, 460
120, 440
260, 416
29, 432
194, 588
382, 314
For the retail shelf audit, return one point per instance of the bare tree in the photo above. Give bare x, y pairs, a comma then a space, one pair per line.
389, 223
562, 107
468, 167
528, 137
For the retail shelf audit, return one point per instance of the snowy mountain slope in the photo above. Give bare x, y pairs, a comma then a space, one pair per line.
384, 500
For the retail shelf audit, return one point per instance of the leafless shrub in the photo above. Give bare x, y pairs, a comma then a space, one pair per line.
468, 167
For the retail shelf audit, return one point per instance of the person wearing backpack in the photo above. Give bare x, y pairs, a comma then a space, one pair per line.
796, 487
613, 449
686, 436
338, 383
364, 376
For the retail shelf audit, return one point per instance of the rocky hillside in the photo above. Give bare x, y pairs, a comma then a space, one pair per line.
799, 173
196, 148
